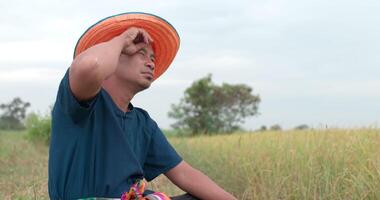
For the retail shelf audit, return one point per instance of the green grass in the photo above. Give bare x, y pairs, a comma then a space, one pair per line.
23, 167
330, 164
314, 164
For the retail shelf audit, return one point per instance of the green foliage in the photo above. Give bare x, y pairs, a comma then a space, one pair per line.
301, 127
263, 128
39, 128
170, 132
275, 127
13, 114
208, 108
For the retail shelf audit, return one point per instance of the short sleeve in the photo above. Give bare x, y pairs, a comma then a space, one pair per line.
76, 110
161, 155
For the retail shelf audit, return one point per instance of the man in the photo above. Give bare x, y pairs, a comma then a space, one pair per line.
101, 144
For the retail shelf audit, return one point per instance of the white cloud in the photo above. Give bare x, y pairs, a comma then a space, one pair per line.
32, 75
284, 49
43, 50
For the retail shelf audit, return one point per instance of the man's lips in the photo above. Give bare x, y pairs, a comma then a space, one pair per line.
150, 74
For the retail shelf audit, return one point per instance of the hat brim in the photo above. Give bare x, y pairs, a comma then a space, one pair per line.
165, 44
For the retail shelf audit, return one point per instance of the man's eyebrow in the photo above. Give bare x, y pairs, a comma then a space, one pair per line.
146, 51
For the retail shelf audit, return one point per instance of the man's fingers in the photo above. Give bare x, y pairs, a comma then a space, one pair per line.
132, 49
150, 39
147, 38
137, 35
135, 40
140, 46
131, 32
139, 38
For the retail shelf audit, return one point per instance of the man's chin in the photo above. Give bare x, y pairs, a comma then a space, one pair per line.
145, 85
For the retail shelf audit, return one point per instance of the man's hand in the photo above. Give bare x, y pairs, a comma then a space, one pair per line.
134, 40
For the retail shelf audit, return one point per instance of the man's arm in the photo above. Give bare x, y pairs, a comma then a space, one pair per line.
196, 183
90, 68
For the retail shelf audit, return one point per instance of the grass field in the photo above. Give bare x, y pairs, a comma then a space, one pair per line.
315, 164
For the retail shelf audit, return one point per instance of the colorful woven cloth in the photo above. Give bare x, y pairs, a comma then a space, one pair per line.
136, 193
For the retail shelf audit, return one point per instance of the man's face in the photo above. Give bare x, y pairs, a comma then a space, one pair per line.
137, 69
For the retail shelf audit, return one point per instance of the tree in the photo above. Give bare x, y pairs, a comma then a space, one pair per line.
13, 114
275, 127
301, 127
209, 108
263, 128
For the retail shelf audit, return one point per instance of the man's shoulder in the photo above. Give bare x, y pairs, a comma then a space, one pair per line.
144, 115
142, 112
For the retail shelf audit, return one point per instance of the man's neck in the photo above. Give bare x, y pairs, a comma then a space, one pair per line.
120, 95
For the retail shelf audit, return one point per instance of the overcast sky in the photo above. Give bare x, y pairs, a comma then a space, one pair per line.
312, 62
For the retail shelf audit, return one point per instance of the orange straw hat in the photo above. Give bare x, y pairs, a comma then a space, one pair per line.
165, 38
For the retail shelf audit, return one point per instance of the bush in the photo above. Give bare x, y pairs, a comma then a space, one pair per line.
39, 128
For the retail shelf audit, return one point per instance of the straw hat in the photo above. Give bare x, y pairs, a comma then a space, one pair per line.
165, 37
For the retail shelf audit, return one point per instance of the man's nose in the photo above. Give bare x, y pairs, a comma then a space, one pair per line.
150, 64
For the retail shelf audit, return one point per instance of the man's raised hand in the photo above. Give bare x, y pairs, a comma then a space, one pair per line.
135, 39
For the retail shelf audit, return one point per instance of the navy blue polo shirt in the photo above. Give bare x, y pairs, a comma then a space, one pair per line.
97, 150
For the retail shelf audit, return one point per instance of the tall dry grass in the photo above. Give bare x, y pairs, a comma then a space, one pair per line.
23, 167
315, 164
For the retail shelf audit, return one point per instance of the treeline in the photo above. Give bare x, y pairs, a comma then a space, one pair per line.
14, 117
277, 127
205, 108
13, 114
